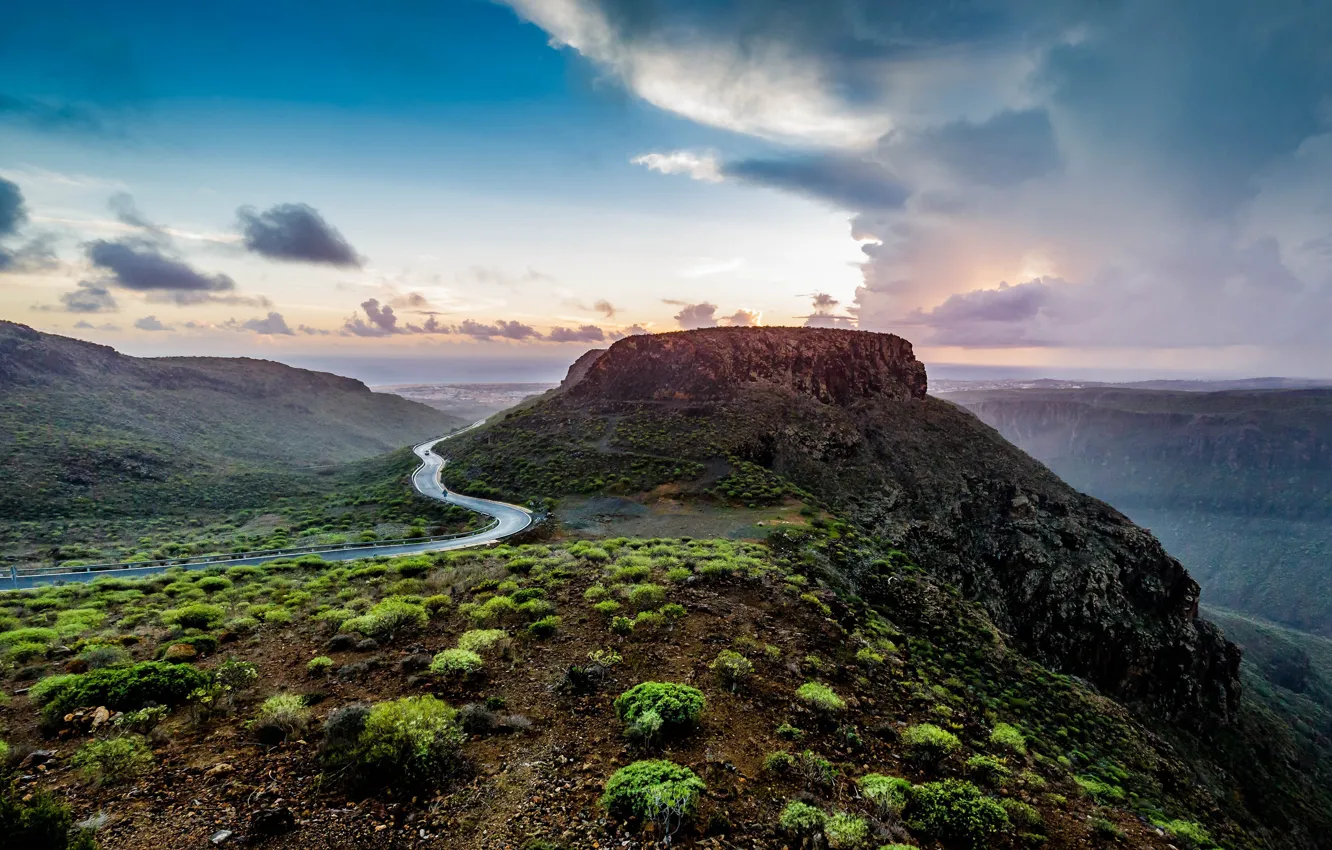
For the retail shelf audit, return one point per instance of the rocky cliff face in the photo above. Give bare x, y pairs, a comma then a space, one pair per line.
833, 366
844, 414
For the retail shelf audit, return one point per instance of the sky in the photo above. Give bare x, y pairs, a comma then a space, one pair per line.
476, 190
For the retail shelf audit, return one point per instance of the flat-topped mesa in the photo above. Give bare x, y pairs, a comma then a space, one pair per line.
834, 366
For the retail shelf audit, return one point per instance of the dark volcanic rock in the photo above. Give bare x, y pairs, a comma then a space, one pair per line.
833, 366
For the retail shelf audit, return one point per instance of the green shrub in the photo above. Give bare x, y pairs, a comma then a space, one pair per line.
278, 617
413, 741
679, 706
46, 637
1101, 792
888, 793
545, 627
41, 822
457, 663
1007, 737
778, 762
320, 665
198, 616
595, 592
621, 625
644, 597
535, 609
142, 721
45, 689
1106, 829
988, 769
22, 653
816, 770
393, 617
801, 819
843, 831
1023, 815
1186, 833
649, 620
437, 604
242, 625
4, 754
482, 640
281, 717
732, 668
606, 607
820, 697
927, 744
212, 584
125, 688
658, 791
956, 813
496, 610
111, 761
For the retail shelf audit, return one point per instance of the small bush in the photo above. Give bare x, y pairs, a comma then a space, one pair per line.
46, 689
545, 627
821, 698
212, 584
320, 665
843, 831
413, 741
125, 688
496, 610
988, 769
41, 822
644, 597
955, 812
199, 616
393, 617
1023, 815
732, 668
679, 706
22, 653
778, 762
1106, 829
482, 640
281, 717
927, 744
45, 637
457, 663
278, 617
621, 625
1007, 737
606, 607
1186, 833
889, 794
595, 592
143, 720
1101, 792
801, 819
437, 604
658, 791
113, 760
816, 770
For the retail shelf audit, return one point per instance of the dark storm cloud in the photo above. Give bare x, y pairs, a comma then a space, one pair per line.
843, 181
586, 333
271, 325
1005, 150
13, 212
501, 329
142, 267
89, 297
295, 233
151, 323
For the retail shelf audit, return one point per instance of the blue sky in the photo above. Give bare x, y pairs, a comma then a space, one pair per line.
1117, 185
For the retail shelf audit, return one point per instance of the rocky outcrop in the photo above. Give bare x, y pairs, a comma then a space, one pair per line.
580, 366
833, 366
844, 414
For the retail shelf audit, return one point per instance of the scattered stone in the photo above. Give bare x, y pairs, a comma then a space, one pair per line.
180, 652
367, 645
36, 757
220, 836
341, 643
266, 823
76, 665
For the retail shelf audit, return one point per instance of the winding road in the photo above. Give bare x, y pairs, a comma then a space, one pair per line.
509, 519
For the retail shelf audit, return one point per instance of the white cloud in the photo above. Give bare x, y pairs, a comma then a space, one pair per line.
699, 166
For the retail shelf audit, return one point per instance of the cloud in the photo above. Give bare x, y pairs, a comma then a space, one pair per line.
295, 233
410, 301
499, 277
712, 267
151, 323
379, 321
142, 267
309, 331
586, 333
843, 181
825, 315
634, 330
122, 204
13, 212
692, 316
1161, 170
271, 325
501, 329
37, 254
89, 297
705, 167
604, 307
742, 319
1002, 151
89, 326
